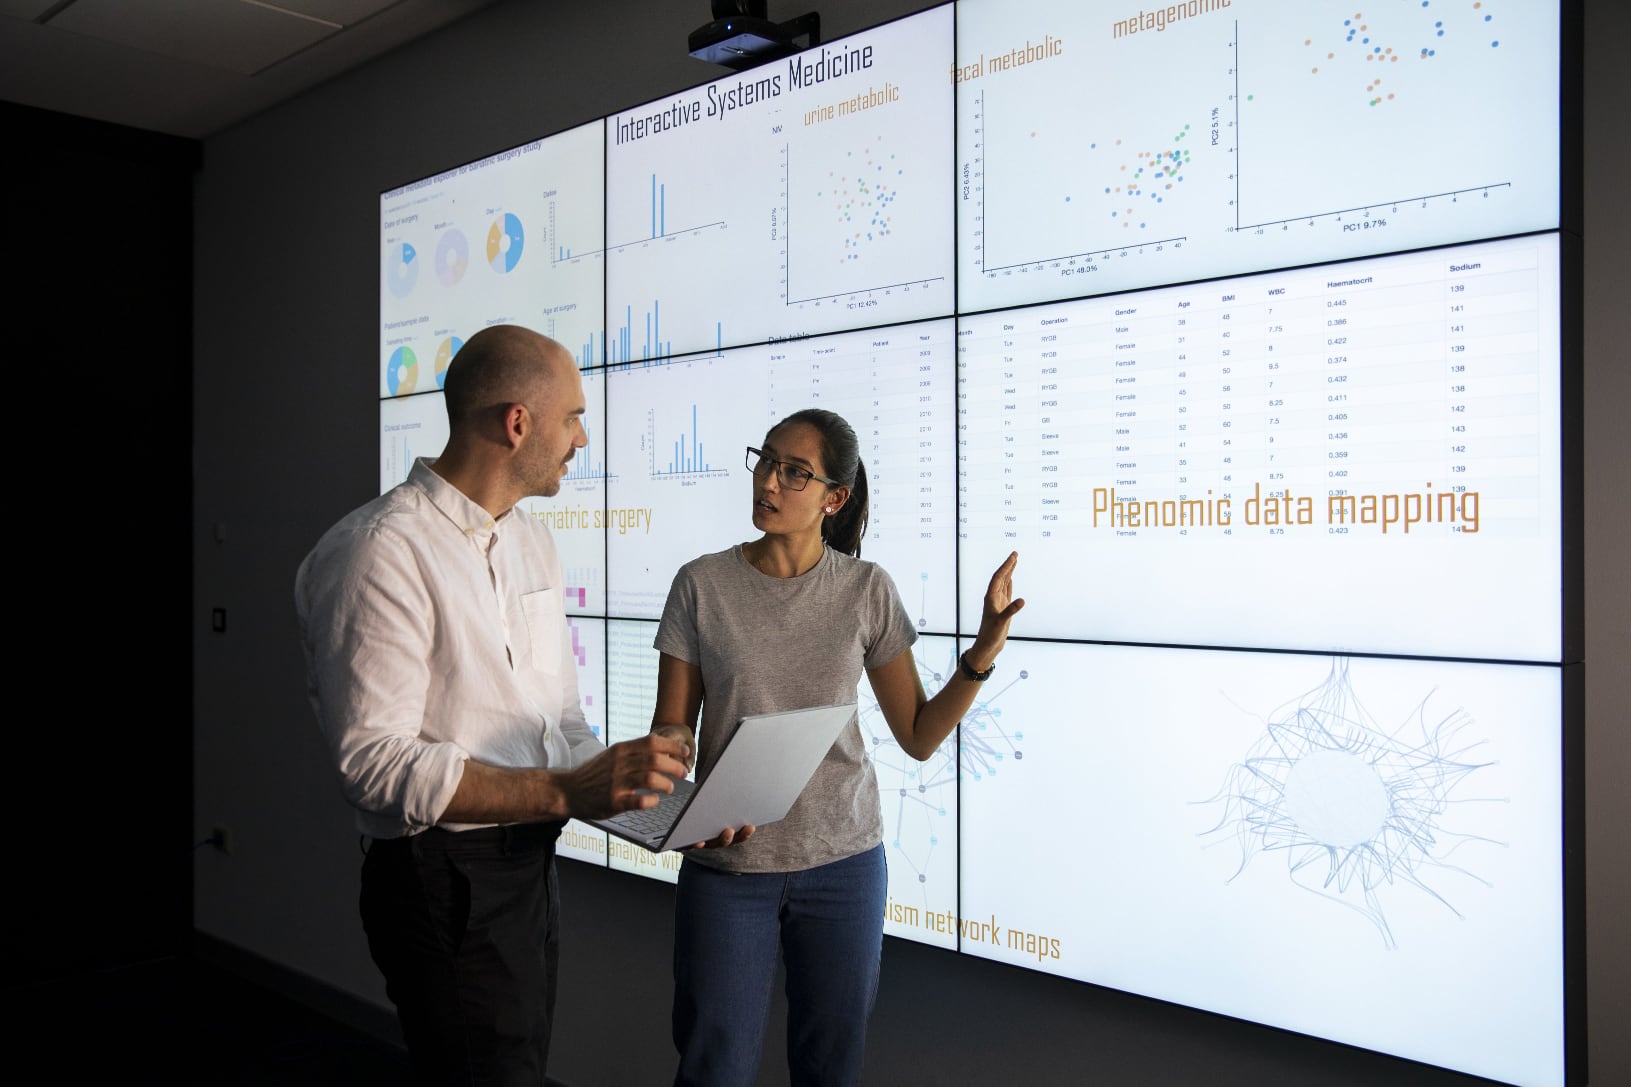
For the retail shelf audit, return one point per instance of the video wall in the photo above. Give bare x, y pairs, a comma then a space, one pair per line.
1241, 322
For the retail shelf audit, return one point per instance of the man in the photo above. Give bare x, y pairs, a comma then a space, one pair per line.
441, 671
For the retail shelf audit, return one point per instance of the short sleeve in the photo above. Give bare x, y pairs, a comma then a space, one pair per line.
677, 632
892, 626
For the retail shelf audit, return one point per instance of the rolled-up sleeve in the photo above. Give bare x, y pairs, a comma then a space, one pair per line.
367, 631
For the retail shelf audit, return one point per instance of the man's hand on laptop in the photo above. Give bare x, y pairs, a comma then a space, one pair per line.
626, 775
680, 734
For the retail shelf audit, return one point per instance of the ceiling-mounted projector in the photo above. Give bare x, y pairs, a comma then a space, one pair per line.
740, 36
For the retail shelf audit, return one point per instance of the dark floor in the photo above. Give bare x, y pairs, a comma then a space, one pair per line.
187, 1021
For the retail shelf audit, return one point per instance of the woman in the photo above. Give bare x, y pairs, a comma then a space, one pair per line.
785, 621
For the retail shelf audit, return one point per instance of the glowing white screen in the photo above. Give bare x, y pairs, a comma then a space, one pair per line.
1356, 457
410, 427
679, 433
1359, 849
1108, 148
919, 802
513, 238
579, 840
807, 195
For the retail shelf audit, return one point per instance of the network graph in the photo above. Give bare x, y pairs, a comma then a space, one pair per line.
1357, 810
920, 799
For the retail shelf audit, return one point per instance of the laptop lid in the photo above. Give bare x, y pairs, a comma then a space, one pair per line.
766, 763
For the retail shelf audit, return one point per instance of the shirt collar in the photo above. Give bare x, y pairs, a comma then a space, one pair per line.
473, 520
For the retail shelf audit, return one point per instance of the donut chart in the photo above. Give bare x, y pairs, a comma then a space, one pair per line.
452, 256
402, 371
444, 356
505, 240
402, 270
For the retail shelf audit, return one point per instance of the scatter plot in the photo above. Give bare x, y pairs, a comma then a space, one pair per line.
1359, 813
1359, 48
1146, 177
861, 195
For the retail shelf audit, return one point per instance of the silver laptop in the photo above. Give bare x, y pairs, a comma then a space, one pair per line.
765, 765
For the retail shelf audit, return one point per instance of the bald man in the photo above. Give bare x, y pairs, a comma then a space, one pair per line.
441, 671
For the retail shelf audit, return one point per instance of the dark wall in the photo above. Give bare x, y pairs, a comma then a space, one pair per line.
99, 306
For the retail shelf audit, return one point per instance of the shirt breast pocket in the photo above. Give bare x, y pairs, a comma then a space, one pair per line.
543, 612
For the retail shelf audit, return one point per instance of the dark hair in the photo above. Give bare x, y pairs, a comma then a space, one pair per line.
841, 457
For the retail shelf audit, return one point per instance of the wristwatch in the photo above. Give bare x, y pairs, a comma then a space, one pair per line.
977, 677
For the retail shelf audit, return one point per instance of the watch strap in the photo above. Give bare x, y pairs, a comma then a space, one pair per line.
977, 677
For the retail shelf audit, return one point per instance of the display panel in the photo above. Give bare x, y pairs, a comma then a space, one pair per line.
631, 670
1207, 256
1103, 149
578, 840
919, 801
1360, 849
577, 515
513, 238
410, 427
807, 195
1351, 457
678, 486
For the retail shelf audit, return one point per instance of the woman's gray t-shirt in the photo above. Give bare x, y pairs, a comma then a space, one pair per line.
766, 644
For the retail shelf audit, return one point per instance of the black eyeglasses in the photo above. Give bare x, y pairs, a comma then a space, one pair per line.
791, 476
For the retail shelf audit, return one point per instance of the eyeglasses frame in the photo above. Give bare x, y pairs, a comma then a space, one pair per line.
779, 465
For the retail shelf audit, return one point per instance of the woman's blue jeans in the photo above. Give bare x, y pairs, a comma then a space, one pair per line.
827, 923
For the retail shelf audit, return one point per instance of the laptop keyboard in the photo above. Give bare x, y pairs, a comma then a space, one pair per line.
653, 820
